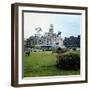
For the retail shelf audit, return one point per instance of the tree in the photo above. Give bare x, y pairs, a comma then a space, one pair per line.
72, 41
38, 30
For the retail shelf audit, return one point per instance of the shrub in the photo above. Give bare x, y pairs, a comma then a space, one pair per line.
68, 61
60, 50
49, 49
74, 49
27, 53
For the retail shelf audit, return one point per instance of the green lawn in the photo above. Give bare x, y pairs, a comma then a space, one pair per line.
43, 64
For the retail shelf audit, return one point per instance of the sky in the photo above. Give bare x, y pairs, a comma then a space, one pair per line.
68, 24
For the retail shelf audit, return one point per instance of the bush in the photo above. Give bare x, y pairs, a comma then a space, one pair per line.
60, 50
27, 53
74, 49
69, 61
49, 49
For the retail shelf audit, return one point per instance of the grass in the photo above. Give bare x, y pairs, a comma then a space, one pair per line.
43, 64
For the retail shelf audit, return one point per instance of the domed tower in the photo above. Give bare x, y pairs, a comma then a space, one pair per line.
51, 29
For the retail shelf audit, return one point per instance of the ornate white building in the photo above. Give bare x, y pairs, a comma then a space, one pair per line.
51, 39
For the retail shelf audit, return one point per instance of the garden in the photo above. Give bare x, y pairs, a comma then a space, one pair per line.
46, 63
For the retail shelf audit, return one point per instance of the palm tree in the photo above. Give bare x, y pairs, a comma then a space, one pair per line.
38, 30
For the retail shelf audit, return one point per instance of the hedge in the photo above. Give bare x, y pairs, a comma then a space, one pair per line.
68, 61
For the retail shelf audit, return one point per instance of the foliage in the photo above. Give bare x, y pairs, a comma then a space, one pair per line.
27, 53
31, 42
60, 50
74, 49
72, 41
44, 64
49, 49
69, 61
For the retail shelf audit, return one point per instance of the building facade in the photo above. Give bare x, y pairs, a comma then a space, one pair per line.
50, 39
